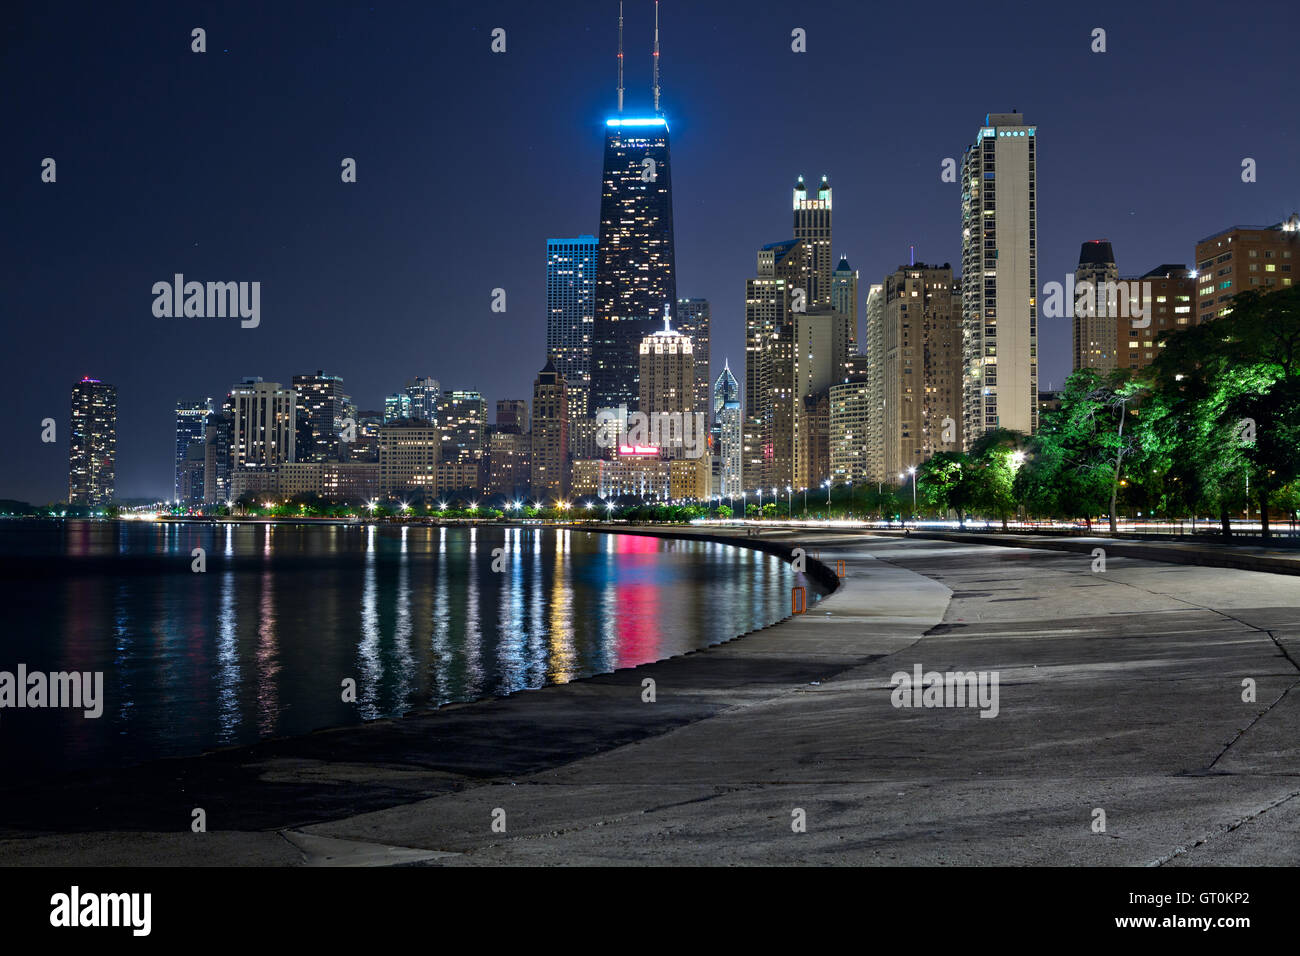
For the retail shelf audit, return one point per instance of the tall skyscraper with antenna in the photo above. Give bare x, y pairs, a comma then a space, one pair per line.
636, 273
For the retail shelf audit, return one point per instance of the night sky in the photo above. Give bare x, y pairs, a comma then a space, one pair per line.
225, 166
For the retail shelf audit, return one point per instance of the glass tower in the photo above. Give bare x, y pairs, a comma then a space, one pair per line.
636, 275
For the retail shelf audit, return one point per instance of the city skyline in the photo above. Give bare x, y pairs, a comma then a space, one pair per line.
427, 319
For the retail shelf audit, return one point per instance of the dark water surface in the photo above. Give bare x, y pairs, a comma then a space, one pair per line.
261, 642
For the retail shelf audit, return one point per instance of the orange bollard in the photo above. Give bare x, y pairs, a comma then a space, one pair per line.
798, 600
839, 567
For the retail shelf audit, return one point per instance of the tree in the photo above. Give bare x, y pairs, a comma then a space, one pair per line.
947, 481
994, 460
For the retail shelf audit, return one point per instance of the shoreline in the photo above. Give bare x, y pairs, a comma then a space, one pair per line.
94, 777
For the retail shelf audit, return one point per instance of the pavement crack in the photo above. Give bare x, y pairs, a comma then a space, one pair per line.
1180, 851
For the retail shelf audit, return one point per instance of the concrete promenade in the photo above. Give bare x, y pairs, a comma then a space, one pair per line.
1119, 691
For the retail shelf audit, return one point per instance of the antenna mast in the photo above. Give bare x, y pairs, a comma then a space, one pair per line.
620, 59
656, 57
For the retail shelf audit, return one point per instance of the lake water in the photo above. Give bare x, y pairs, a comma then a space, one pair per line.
261, 642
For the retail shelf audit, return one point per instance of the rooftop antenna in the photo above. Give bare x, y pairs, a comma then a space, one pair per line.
656, 58
913, 248
620, 59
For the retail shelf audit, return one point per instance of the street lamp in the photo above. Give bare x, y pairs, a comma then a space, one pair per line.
789, 502
827, 485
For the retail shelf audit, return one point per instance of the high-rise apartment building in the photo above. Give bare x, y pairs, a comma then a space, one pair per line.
1242, 258
921, 368
850, 407
876, 382
999, 277
693, 322
92, 444
264, 424
191, 429
1095, 314
550, 435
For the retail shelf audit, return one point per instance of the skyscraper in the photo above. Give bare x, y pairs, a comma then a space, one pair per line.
1095, 343
999, 276
875, 459
730, 448
264, 424
550, 435
667, 381
812, 223
844, 301
725, 389
216, 453
92, 443
320, 409
191, 428
920, 368
636, 271
693, 321
571, 313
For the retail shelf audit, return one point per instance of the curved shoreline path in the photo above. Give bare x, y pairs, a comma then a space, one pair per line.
1119, 691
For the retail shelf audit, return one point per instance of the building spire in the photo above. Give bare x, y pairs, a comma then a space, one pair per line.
655, 58
620, 59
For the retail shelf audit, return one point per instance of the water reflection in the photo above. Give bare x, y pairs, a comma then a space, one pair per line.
260, 643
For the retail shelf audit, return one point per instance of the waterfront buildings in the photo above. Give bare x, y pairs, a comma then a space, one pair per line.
999, 274
92, 443
264, 424
320, 404
920, 367
409, 454
191, 429
850, 405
